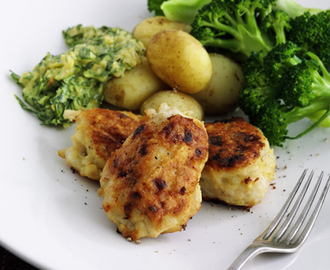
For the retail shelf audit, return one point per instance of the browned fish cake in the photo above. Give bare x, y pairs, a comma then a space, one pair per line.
240, 165
150, 185
99, 132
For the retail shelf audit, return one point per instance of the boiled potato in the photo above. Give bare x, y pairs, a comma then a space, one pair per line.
180, 60
131, 90
221, 93
181, 101
147, 28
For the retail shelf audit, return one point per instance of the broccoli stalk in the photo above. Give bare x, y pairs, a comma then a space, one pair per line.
177, 10
182, 10
155, 6
277, 23
293, 9
275, 117
241, 26
316, 117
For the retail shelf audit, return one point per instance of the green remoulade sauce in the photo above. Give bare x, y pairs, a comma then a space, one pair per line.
74, 79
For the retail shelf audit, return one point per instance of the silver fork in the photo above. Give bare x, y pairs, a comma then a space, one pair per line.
284, 240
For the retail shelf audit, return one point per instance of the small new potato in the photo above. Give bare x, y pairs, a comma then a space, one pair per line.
131, 90
179, 60
220, 96
181, 101
147, 28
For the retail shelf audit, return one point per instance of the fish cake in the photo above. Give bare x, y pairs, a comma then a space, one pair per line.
98, 133
241, 164
150, 185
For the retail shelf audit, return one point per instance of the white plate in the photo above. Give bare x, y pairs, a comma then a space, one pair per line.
53, 218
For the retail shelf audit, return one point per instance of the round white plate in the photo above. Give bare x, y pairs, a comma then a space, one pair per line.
53, 219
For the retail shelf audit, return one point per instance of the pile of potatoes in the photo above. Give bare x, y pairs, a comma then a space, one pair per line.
176, 70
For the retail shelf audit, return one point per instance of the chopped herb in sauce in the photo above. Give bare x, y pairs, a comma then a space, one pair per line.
74, 79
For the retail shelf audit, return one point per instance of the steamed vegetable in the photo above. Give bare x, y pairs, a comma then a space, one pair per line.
220, 96
240, 26
155, 6
177, 10
148, 27
130, 91
282, 87
312, 32
182, 10
179, 60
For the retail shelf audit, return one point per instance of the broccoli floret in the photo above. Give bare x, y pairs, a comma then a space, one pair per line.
305, 82
252, 98
276, 24
182, 10
282, 87
312, 32
280, 58
155, 6
262, 75
235, 25
257, 88
273, 122
294, 9
274, 118
252, 68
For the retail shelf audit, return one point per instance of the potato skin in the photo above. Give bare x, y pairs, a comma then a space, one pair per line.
180, 100
220, 96
180, 60
147, 28
130, 91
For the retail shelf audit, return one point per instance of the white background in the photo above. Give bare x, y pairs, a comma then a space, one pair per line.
53, 218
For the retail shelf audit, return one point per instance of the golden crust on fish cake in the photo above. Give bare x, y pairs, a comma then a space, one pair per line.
98, 133
150, 185
241, 164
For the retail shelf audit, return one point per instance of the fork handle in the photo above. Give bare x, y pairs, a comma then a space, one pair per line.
249, 253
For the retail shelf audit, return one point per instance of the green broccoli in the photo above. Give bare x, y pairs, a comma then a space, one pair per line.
312, 32
280, 58
241, 26
274, 117
177, 10
257, 88
302, 84
293, 9
276, 24
262, 74
282, 87
182, 10
155, 6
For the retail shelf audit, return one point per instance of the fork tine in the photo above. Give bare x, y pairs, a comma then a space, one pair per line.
303, 215
314, 215
293, 211
263, 244
284, 209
